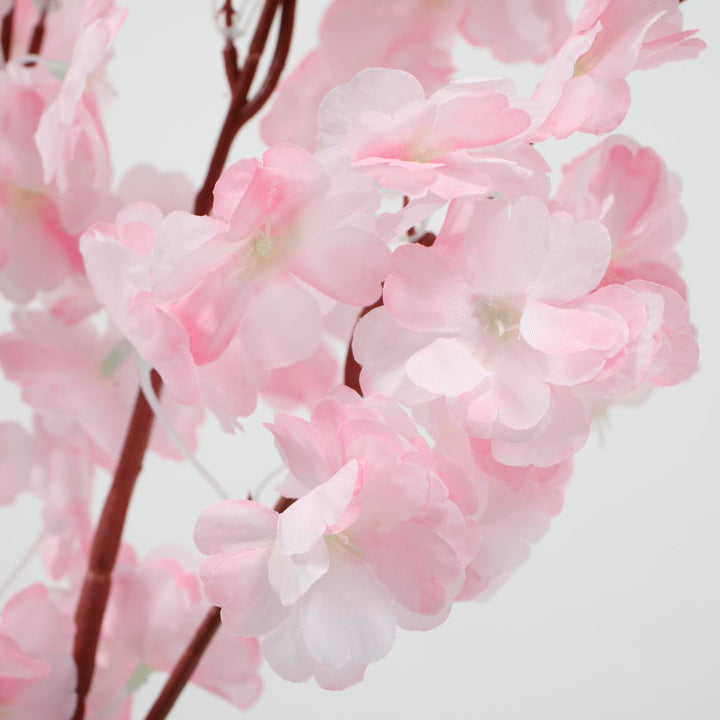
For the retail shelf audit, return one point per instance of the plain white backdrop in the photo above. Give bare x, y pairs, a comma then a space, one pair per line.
615, 615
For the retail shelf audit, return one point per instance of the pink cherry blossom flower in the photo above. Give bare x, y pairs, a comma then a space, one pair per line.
410, 35
628, 188
496, 321
155, 607
182, 289
417, 145
517, 29
37, 672
516, 507
77, 377
379, 536
16, 450
32, 215
70, 131
585, 87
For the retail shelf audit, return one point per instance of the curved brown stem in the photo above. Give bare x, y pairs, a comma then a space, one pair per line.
241, 110
184, 668
106, 544
352, 366
282, 50
38, 33
230, 54
6, 33
186, 665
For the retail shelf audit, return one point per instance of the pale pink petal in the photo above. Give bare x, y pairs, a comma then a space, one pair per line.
576, 261
562, 331
347, 264
423, 293
320, 511
234, 525
505, 245
348, 616
446, 367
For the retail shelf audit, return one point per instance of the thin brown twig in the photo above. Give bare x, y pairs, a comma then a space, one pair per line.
230, 53
241, 110
6, 33
282, 50
38, 33
184, 668
186, 665
352, 366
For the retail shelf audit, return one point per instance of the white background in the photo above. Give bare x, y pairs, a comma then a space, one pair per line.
615, 614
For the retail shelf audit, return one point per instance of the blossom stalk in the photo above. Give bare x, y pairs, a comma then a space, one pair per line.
241, 109
38, 33
183, 670
186, 665
106, 545
6, 33
352, 366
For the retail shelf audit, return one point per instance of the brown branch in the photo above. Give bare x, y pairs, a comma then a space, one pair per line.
230, 57
186, 665
38, 33
106, 544
282, 50
6, 33
241, 110
184, 668
352, 366
230, 54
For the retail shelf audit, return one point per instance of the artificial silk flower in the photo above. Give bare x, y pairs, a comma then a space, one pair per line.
379, 536
184, 290
410, 35
628, 188
585, 87
517, 30
37, 672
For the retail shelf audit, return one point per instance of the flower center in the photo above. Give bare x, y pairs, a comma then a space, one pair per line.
500, 318
342, 540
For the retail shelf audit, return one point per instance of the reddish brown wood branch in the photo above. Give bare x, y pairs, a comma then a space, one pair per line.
282, 50
106, 544
186, 665
38, 33
352, 366
230, 53
184, 668
241, 110
6, 33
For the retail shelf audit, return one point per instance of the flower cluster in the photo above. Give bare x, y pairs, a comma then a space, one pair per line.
400, 225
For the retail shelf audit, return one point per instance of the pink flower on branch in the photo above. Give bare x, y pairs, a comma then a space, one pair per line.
380, 536
585, 87
505, 321
184, 289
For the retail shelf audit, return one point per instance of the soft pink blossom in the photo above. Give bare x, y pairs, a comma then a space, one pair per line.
496, 321
628, 188
285, 233
456, 142
410, 35
70, 132
155, 606
517, 29
37, 672
77, 376
585, 88
379, 536
16, 450
32, 215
